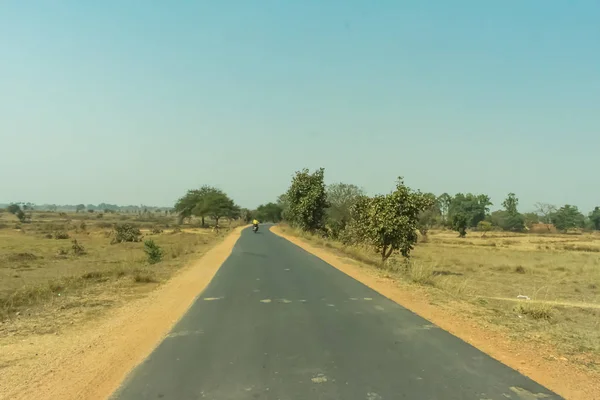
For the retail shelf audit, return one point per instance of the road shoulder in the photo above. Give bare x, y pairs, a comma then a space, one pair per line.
530, 360
90, 363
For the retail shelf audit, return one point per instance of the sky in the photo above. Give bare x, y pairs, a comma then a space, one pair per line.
135, 101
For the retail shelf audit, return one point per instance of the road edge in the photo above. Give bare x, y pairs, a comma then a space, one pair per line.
96, 368
516, 355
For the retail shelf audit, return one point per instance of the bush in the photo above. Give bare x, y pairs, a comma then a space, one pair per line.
78, 249
156, 230
61, 235
153, 251
126, 233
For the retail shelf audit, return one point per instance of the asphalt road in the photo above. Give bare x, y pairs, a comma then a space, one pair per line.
278, 323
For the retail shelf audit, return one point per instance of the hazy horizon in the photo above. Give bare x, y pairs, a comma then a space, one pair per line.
132, 103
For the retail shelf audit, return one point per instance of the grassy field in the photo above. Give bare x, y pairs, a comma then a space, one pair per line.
487, 277
49, 281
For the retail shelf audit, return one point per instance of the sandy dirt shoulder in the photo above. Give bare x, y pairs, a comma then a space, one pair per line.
91, 362
532, 360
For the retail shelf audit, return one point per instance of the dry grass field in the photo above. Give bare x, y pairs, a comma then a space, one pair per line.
487, 277
61, 269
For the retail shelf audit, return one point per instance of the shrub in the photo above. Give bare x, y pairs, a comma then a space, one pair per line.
78, 249
153, 251
126, 233
61, 235
156, 230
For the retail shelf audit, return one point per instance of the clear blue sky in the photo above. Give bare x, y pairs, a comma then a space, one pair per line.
137, 101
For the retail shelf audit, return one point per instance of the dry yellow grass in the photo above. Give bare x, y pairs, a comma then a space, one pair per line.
559, 274
45, 285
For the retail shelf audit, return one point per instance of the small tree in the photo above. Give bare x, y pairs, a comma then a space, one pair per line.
595, 218
307, 200
513, 220
153, 251
13, 209
389, 222
79, 207
484, 227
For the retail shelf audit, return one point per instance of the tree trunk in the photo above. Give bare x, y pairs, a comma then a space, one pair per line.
203, 221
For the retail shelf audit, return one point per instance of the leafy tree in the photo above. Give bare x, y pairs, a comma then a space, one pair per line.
216, 204
513, 221
269, 212
389, 222
484, 226
196, 202
430, 215
568, 217
341, 197
13, 209
307, 200
79, 207
467, 211
443, 202
595, 218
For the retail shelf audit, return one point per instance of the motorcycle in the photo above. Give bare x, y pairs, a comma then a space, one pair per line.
255, 228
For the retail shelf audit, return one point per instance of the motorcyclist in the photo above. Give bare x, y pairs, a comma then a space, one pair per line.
255, 223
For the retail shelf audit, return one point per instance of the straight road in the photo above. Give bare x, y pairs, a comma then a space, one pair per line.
278, 323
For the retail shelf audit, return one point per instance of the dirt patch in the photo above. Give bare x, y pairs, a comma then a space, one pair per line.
90, 362
533, 360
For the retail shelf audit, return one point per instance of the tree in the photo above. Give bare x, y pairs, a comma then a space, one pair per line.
568, 217
341, 197
595, 218
443, 202
484, 226
79, 207
513, 220
307, 200
13, 209
269, 212
216, 204
389, 222
195, 202
428, 217
546, 211
467, 211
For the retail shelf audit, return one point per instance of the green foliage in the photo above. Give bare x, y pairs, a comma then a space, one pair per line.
126, 233
467, 211
512, 220
22, 216
429, 216
13, 209
270, 212
341, 198
389, 222
61, 235
484, 226
79, 207
204, 202
595, 218
443, 202
568, 217
531, 219
307, 200
153, 251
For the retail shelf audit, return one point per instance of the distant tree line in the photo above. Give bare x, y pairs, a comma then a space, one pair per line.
390, 222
